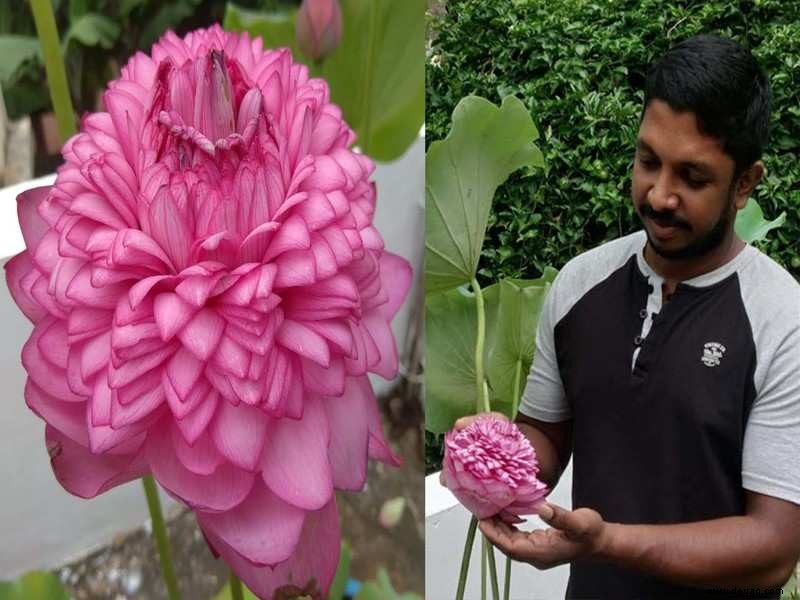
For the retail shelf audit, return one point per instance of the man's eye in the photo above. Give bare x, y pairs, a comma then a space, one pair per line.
648, 163
695, 183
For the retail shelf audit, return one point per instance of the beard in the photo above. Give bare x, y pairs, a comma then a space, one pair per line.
698, 247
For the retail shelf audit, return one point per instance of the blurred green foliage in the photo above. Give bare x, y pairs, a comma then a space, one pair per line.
579, 66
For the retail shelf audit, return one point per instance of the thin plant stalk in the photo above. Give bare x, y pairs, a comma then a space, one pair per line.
492, 569
462, 578
480, 340
515, 396
507, 583
236, 587
484, 543
160, 533
54, 67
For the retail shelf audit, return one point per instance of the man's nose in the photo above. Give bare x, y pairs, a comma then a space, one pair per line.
661, 197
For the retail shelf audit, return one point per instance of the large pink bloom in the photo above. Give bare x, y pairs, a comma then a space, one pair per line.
491, 467
209, 294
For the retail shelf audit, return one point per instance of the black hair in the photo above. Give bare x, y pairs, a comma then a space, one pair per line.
721, 82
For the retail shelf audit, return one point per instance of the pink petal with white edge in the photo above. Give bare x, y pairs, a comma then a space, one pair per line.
86, 475
20, 276
224, 489
202, 334
295, 461
31, 223
201, 458
301, 340
379, 448
194, 424
292, 235
263, 529
328, 381
381, 333
183, 370
239, 433
67, 417
45, 374
396, 277
313, 563
171, 312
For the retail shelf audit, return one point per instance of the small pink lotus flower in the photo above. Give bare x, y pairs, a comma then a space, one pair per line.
318, 28
209, 293
491, 467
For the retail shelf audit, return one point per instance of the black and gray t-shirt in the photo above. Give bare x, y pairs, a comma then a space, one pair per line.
677, 407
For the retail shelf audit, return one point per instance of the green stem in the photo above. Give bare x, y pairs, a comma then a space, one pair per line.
236, 588
480, 339
484, 543
462, 578
507, 586
160, 533
54, 67
515, 396
492, 570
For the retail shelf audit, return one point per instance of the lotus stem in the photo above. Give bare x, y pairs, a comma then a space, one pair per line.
483, 567
507, 585
492, 569
515, 396
480, 338
462, 578
160, 533
54, 67
236, 587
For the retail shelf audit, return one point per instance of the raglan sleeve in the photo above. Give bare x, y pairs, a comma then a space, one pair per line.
544, 396
771, 449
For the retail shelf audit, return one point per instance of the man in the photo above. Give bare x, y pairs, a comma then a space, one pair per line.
668, 365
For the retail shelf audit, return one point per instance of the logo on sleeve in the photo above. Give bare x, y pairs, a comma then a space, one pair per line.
712, 354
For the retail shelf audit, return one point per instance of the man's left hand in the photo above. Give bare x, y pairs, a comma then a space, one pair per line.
574, 535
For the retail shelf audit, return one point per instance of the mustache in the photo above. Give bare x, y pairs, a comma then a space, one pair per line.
665, 219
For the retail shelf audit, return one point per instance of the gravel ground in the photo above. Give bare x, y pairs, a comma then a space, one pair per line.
128, 569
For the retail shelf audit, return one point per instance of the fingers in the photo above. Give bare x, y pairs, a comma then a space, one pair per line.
576, 524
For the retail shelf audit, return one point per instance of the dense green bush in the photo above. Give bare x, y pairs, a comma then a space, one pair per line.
579, 66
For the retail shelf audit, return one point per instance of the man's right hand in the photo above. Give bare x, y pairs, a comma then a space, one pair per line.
465, 421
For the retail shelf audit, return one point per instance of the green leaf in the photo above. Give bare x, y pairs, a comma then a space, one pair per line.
450, 330
751, 225
93, 29
336, 591
514, 343
276, 27
169, 16
77, 8
381, 589
14, 50
485, 145
377, 74
35, 585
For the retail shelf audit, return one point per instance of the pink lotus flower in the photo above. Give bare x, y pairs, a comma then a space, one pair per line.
491, 467
209, 293
318, 28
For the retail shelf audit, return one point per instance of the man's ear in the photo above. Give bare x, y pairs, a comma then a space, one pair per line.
747, 182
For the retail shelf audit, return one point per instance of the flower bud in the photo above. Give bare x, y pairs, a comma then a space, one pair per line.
318, 28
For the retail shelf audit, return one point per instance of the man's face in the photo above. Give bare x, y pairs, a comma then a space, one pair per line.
682, 184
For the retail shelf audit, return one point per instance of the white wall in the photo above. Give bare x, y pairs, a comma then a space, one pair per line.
446, 524
41, 525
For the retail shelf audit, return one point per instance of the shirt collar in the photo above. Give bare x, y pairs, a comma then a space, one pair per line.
704, 280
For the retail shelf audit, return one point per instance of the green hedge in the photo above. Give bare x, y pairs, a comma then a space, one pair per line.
579, 66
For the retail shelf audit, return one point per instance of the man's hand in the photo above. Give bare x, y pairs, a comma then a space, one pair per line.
574, 535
